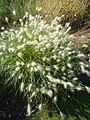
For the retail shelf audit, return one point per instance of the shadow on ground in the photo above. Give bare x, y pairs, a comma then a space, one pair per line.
12, 105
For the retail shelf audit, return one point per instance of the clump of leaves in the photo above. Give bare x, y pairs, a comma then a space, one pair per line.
40, 59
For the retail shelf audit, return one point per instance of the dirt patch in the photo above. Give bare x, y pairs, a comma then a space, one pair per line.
82, 36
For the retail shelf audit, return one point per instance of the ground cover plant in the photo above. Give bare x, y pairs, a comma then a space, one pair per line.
41, 60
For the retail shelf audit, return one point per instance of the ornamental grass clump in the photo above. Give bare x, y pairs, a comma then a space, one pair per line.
39, 59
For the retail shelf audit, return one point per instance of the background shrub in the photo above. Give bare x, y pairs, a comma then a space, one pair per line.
20, 6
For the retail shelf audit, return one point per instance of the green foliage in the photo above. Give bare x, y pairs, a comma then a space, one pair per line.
75, 107
45, 115
40, 60
3, 10
20, 6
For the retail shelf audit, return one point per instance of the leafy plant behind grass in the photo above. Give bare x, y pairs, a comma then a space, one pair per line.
3, 10
20, 6
40, 60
